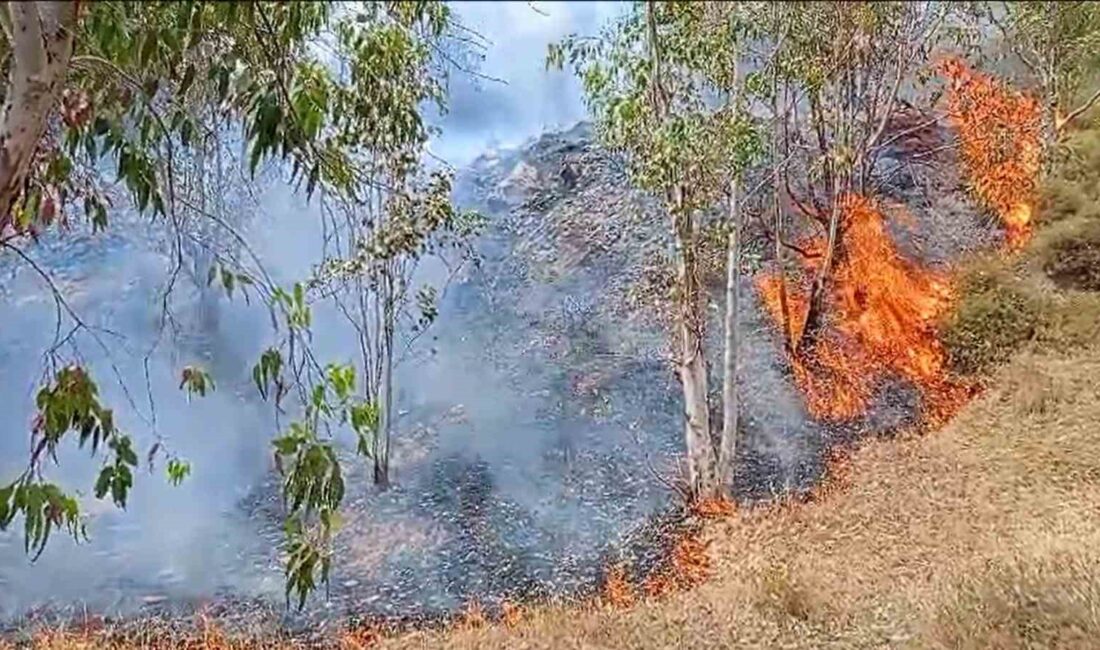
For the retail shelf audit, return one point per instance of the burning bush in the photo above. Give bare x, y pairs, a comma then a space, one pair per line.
999, 136
883, 310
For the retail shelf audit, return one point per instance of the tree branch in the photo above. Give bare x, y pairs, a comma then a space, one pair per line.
1077, 112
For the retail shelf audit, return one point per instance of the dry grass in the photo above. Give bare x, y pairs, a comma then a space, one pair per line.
983, 535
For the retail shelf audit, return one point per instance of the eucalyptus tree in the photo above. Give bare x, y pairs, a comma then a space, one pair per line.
1058, 44
841, 69
662, 83
332, 92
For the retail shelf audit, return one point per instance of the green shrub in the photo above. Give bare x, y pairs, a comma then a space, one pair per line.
1007, 300
992, 320
1061, 198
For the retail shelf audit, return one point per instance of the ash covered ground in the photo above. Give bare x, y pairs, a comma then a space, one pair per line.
535, 420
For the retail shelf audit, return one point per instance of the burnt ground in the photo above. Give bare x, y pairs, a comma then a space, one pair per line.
554, 319
538, 421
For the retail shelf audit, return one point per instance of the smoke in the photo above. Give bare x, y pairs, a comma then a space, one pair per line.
167, 534
511, 96
215, 533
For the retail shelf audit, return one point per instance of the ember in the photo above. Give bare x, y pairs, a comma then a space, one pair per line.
472, 616
617, 590
687, 566
713, 508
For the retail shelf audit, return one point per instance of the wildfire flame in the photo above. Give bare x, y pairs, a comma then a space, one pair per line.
617, 590
687, 566
883, 309
999, 136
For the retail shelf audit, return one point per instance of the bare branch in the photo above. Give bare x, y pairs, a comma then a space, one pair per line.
1077, 112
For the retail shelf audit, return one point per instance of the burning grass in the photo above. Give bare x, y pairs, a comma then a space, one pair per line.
999, 132
983, 535
718, 508
617, 590
687, 566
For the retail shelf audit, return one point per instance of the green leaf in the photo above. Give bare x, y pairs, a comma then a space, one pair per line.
7, 512
178, 470
228, 281
104, 482
148, 48
196, 380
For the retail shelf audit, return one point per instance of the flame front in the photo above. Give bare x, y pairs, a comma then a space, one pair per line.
999, 144
882, 310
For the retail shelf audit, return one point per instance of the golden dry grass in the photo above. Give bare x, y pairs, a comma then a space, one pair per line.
985, 534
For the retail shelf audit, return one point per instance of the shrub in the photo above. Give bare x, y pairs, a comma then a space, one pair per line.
1062, 198
993, 319
1006, 301
1073, 260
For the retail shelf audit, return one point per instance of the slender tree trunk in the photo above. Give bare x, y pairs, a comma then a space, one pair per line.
839, 177
692, 363
385, 424
730, 404
727, 447
778, 136
691, 310
42, 44
784, 304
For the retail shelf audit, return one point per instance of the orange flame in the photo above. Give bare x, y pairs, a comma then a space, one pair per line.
687, 566
617, 590
884, 309
361, 638
472, 616
999, 135
717, 508
511, 615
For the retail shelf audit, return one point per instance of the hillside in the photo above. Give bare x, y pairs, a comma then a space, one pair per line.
980, 535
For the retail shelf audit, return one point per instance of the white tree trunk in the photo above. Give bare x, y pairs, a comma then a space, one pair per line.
42, 44
730, 406
385, 424
691, 359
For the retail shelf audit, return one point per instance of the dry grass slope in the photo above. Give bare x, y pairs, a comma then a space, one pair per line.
983, 535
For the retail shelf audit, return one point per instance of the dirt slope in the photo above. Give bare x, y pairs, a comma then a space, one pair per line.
984, 534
